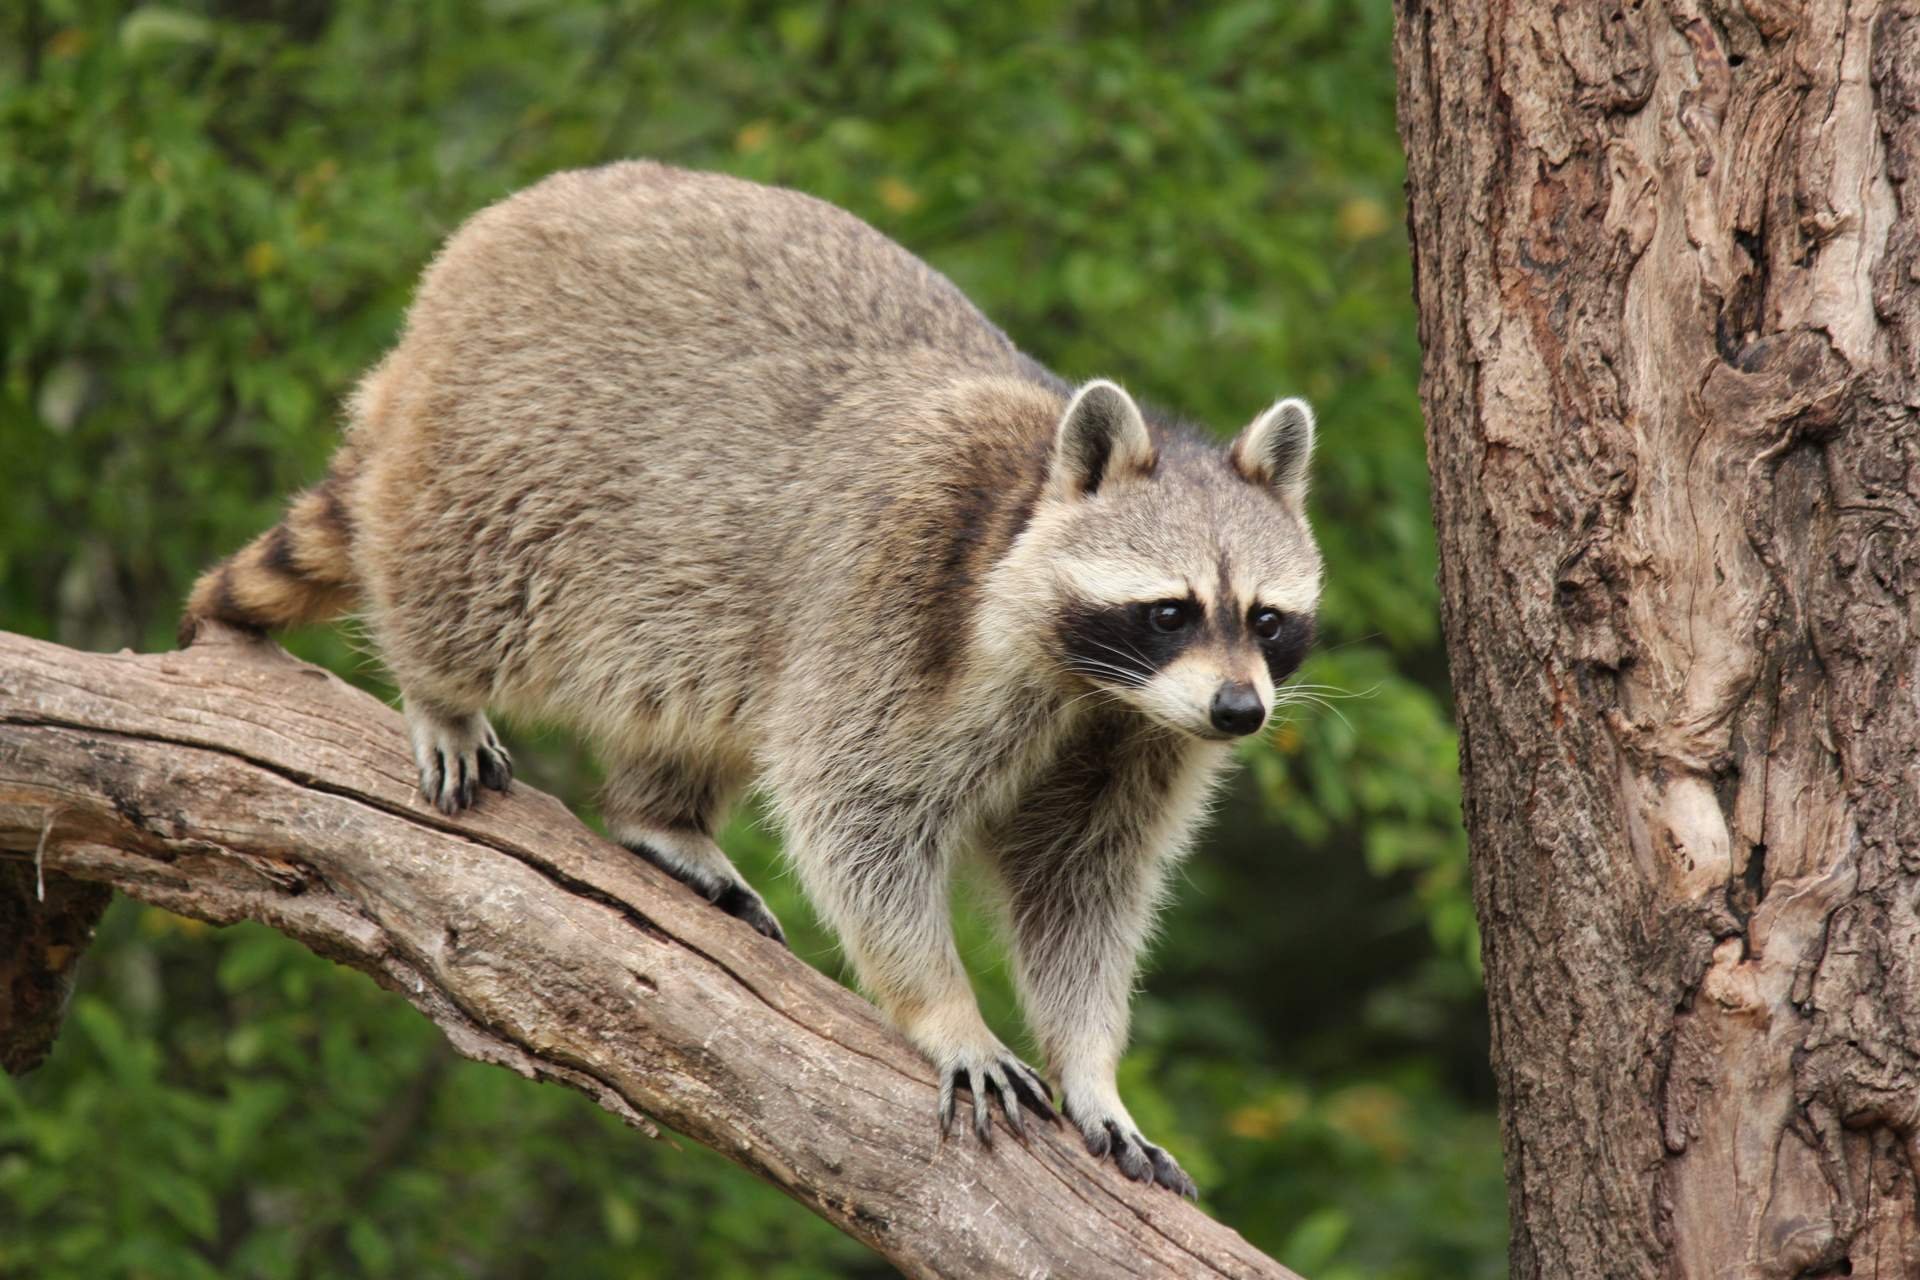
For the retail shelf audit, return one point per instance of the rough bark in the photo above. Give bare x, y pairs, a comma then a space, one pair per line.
45, 926
1668, 273
230, 782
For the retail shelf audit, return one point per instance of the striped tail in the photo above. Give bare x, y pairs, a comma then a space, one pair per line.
297, 572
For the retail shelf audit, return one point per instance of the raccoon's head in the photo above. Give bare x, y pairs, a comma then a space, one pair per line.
1172, 574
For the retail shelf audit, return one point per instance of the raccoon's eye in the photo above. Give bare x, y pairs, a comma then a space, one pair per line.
1267, 623
1169, 615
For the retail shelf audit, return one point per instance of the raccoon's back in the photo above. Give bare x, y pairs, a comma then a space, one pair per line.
673, 326
631, 410
639, 278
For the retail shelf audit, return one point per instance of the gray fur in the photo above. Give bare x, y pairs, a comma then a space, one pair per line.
742, 491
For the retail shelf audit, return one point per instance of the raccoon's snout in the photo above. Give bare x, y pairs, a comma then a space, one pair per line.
1237, 708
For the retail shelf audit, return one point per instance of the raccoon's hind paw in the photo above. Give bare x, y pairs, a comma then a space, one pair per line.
457, 754
1001, 1075
698, 863
1115, 1136
744, 904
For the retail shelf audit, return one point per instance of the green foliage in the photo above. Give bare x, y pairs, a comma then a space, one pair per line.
238, 1107
215, 213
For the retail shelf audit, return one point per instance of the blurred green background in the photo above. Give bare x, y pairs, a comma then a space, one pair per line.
210, 220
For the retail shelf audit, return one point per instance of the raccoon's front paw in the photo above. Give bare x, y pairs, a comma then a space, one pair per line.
992, 1069
456, 754
1108, 1131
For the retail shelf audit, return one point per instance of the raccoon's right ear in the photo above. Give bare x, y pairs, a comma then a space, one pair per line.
1101, 438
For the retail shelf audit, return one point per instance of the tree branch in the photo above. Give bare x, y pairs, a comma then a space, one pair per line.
230, 782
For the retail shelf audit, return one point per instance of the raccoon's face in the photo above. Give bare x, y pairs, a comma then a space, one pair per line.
1183, 580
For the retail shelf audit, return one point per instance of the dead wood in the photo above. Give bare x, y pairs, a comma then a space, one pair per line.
230, 782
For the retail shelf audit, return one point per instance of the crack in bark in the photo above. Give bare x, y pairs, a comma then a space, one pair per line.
576, 887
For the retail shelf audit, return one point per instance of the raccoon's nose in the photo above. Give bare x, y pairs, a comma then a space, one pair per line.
1237, 708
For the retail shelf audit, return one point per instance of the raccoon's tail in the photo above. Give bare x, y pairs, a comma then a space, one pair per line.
298, 571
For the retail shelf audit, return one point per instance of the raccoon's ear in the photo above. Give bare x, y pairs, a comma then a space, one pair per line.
1275, 450
1101, 438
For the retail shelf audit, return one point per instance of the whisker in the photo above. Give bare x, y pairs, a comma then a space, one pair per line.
1312, 700
1327, 707
1098, 669
1348, 644
1335, 691
1101, 680
1128, 652
1097, 691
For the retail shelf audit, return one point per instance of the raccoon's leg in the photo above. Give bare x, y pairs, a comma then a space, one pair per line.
1082, 863
1079, 925
666, 810
456, 752
881, 883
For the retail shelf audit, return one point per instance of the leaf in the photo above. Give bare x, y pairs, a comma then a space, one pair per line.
185, 1201
370, 1247
62, 393
251, 957
1314, 1242
151, 26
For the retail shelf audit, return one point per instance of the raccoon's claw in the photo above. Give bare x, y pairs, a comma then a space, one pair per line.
449, 783
1007, 1078
495, 766
456, 756
1169, 1174
1137, 1158
744, 904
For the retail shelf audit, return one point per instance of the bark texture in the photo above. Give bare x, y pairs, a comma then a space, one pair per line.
230, 782
1668, 272
45, 926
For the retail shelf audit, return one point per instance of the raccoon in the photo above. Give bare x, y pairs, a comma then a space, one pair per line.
745, 493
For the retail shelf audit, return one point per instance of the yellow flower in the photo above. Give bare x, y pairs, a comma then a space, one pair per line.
1361, 218
69, 43
898, 196
1373, 1115
156, 923
752, 137
262, 259
1269, 1117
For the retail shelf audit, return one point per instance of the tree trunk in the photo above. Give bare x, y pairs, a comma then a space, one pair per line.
230, 782
1668, 271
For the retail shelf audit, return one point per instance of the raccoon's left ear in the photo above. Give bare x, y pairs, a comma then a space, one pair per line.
1101, 438
1275, 450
